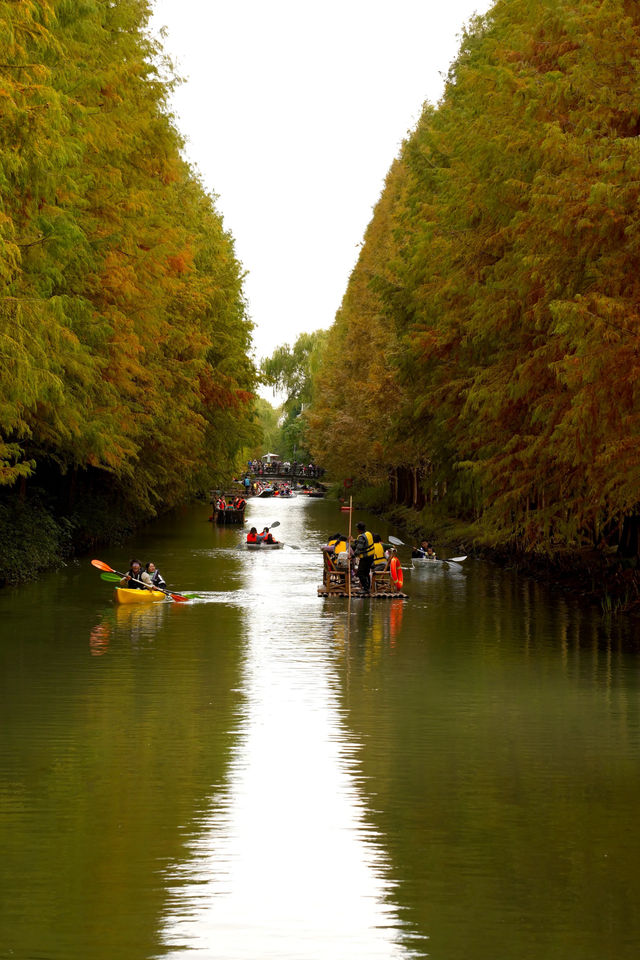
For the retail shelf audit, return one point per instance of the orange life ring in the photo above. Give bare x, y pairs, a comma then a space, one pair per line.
396, 573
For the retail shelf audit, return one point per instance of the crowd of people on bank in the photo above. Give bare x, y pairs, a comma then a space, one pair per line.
277, 467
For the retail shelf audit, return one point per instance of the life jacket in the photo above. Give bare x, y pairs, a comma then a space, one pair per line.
134, 583
222, 504
339, 545
240, 503
378, 551
252, 538
269, 538
369, 552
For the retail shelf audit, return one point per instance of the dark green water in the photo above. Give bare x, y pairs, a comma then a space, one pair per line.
264, 774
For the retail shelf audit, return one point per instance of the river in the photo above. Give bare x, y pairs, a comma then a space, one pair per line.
264, 774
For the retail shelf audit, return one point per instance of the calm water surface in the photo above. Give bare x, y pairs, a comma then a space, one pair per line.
264, 774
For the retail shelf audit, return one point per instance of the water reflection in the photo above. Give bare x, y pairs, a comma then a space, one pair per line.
288, 863
137, 624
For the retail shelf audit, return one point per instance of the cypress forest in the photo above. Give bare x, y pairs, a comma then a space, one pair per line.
126, 382
485, 354
482, 365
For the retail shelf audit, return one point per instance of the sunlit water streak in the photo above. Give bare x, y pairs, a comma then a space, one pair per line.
287, 863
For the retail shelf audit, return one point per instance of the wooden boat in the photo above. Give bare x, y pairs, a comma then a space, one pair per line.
123, 595
230, 515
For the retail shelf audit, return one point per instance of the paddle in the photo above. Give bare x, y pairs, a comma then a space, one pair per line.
107, 569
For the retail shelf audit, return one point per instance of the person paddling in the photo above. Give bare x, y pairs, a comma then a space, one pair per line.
136, 578
424, 552
252, 536
267, 537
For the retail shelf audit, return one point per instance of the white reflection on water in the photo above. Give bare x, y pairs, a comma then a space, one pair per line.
286, 865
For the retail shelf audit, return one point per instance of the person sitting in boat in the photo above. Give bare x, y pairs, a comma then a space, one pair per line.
222, 504
424, 551
330, 545
342, 552
267, 537
155, 576
240, 503
379, 556
252, 536
136, 578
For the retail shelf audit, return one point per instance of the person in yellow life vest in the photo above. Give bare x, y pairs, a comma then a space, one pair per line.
364, 553
341, 551
379, 559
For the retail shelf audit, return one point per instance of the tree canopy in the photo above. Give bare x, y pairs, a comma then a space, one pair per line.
498, 282
124, 337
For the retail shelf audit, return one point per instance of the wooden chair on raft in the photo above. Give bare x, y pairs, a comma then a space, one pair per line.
381, 581
335, 578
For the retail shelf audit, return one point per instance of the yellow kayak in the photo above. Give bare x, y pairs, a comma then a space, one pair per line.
138, 596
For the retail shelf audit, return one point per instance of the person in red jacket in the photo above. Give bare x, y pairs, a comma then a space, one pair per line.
252, 536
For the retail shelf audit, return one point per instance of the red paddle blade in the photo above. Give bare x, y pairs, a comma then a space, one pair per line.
102, 566
178, 598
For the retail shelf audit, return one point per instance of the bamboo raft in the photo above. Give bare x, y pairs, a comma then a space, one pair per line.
355, 594
334, 583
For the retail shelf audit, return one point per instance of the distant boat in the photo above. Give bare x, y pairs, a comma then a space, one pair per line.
265, 546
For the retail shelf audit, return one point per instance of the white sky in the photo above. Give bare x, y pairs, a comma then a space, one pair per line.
293, 111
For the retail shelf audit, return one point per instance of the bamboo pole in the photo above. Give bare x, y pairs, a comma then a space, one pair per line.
349, 552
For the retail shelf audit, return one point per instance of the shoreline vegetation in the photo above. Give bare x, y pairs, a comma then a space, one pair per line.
595, 574
125, 367
479, 384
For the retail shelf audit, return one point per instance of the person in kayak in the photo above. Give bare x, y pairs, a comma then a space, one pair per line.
267, 537
364, 552
155, 576
424, 551
252, 536
136, 578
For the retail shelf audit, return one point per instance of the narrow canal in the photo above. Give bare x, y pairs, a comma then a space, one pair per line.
264, 774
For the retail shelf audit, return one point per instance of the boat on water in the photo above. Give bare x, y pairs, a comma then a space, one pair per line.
386, 581
123, 595
265, 546
230, 515
267, 492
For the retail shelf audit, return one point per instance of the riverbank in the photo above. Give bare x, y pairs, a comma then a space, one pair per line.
35, 537
600, 576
